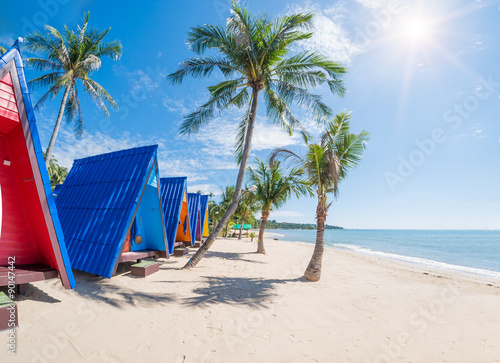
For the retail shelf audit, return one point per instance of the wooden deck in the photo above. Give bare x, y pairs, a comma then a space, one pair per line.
133, 256
27, 273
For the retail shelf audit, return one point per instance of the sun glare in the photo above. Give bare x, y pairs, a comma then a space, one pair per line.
417, 29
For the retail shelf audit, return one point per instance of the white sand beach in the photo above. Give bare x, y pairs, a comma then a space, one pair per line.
238, 306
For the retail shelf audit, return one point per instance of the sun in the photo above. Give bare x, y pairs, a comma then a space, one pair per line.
417, 29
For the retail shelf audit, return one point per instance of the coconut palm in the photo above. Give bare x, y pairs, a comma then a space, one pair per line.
252, 54
246, 208
71, 56
226, 200
57, 173
274, 188
326, 164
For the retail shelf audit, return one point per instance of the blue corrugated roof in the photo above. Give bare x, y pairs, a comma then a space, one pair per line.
203, 211
97, 203
172, 193
15, 55
194, 209
57, 188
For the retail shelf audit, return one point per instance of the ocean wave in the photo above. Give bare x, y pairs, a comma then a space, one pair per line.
421, 261
275, 234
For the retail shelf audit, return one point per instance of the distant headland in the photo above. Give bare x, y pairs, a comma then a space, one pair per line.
272, 224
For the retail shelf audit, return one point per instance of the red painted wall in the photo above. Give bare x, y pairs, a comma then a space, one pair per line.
23, 232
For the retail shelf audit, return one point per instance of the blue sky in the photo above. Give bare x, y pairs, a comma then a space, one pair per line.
424, 80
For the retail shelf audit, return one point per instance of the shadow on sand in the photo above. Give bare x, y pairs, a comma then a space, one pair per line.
234, 256
255, 292
33, 293
101, 289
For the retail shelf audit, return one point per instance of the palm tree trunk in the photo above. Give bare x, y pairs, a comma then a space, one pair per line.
48, 153
239, 182
263, 222
313, 271
241, 227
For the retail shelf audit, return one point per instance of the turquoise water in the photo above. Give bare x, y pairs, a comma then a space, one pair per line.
476, 252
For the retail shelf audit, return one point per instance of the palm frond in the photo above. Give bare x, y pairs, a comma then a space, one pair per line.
195, 120
59, 50
111, 50
241, 134
286, 156
202, 68
46, 80
201, 38
96, 95
51, 93
40, 64
303, 98
102, 93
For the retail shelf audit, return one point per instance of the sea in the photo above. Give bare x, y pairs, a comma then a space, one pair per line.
468, 251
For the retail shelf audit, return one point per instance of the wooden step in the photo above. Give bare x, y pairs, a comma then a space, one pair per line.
145, 268
180, 251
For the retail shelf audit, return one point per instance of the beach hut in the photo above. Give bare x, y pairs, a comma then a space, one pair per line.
203, 218
194, 200
110, 210
31, 239
176, 211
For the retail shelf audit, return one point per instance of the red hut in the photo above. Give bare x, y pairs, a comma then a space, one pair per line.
31, 239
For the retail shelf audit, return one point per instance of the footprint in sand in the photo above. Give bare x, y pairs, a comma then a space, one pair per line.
210, 357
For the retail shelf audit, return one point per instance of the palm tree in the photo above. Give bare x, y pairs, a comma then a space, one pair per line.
251, 52
226, 200
327, 163
57, 173
274, 188
246, 208
73, 56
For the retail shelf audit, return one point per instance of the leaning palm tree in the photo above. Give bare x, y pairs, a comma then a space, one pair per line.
246, 208
226, 200
326, 164
71, 56
252, 54
274, 188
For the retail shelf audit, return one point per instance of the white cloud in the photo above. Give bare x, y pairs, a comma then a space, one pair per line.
205, 189
420, 67
174, 105
372, 4
479, 3
330, 38
479, 45
219, 137
146, 80
478, 134
68, 147
267, 137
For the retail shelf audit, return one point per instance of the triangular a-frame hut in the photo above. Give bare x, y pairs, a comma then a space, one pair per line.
194, 214
111, 211
203, 218
176, 211
31, 238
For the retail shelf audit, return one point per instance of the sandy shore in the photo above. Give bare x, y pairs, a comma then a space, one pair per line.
237, 306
